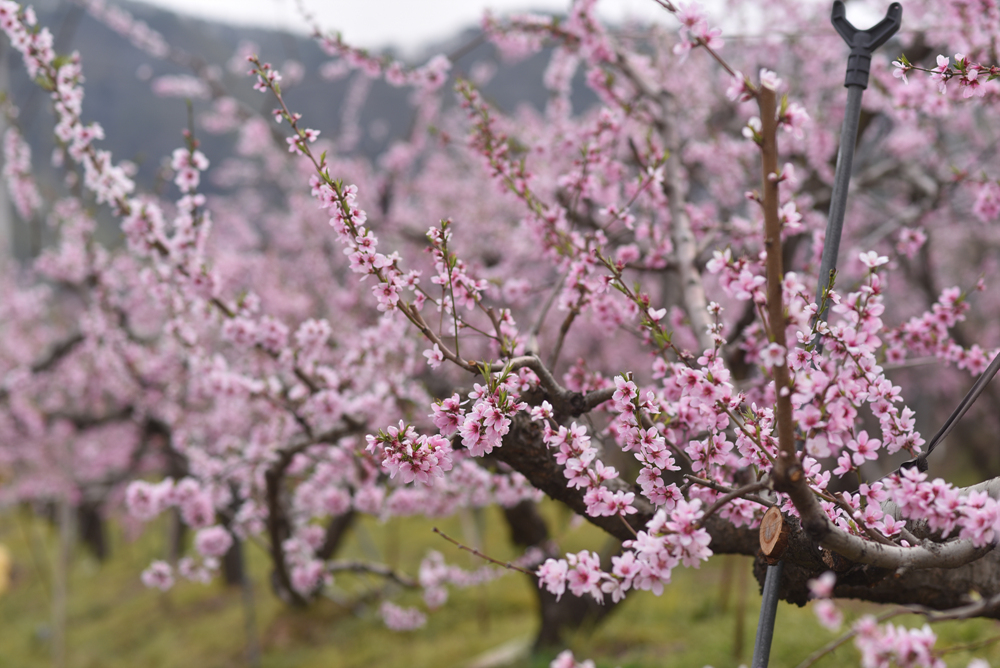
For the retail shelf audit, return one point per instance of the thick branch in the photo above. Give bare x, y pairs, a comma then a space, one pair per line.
685, 245
564, 401
938, 575
524, 450
59, 351
938, 588
786, 469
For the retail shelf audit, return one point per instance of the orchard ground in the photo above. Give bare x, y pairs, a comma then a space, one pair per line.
707, 617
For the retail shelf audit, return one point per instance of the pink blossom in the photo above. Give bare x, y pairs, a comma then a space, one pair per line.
940, 70
624, 394
769, 79
871, 259
828, 614
565, 659
900, 71
739, 89
434, 356
159, 575
864, 448
822, 587
553, 575
773, 355
213, 541
143, 500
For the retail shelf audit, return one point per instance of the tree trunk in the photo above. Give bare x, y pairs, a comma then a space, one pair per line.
336, 532
92, 530
233, 564
60, 590
528, 529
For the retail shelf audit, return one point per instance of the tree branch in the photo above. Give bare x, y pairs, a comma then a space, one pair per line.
685, 245
375, 569
787, 470
564, 401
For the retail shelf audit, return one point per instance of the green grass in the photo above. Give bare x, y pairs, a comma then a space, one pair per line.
706, 617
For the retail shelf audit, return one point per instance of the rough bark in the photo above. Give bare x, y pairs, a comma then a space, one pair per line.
278, 531
524, 451
336, 532
940, 588
91, 529
233, 565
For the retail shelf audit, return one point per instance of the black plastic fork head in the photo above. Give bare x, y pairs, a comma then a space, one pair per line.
864, 42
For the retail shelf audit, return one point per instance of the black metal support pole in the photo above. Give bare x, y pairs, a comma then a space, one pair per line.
768, 616
838, 199
863, 43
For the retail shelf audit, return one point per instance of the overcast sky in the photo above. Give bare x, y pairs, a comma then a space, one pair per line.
376, 23
411, 24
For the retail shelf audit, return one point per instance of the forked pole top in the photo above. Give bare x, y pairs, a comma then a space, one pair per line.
864, 42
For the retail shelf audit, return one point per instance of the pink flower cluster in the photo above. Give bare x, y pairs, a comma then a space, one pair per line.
360, 244
458, 287
159, 575
584, 471
695, 31
17, 172
927, 334
648, 444
972, 77
308, 574
565, 659
491, 144
421, 458
188, 165
646, 564
146, 500
488, 421
213, 541
108, 182
121, 21
427, 78
987, 205
891, 645
976, 514
401, 619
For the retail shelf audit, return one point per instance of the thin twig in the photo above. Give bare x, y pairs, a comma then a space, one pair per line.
834, 644
470, 550
964, 612
726, 490
628, 526
563, 330
536, 330
670, 7
374, 569
918, 361
735, 494
969, 646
